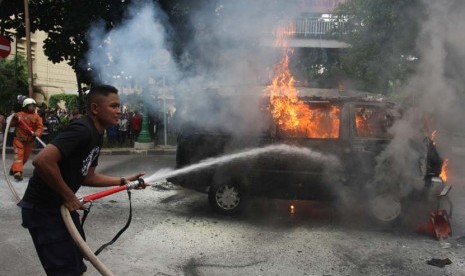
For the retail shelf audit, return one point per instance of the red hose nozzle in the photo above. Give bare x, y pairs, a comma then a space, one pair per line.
131, 185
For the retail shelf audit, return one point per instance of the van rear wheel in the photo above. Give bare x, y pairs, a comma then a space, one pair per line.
225, 198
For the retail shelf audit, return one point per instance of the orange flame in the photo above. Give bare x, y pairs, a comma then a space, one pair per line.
293, 116
444, 168
363, 128
292, 209
433, 136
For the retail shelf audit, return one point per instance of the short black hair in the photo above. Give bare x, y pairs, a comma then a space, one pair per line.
102, 90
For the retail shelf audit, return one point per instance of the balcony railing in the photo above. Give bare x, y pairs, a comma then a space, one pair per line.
313, 27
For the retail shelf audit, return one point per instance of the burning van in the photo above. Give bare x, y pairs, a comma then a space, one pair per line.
352, 128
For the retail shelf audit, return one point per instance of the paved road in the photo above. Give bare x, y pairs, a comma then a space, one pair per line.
173, 232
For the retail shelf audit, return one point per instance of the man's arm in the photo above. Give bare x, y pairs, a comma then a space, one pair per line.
94, 179
46, 164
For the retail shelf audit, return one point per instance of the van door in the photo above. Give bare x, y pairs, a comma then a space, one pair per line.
369, 136
303, 176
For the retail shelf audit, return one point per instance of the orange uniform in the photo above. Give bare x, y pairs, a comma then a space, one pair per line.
23, 141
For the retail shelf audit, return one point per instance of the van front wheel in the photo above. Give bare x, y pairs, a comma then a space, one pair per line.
225, 199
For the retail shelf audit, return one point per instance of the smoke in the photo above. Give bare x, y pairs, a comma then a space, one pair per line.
435, 93
226, 57
224, 90
136, 53
223, 58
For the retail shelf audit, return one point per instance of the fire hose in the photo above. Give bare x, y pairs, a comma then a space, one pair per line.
74, 232
5, 172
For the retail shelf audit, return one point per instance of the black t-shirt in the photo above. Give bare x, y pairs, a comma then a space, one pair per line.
80, 145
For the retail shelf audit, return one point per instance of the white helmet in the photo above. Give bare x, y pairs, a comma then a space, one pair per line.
28, 101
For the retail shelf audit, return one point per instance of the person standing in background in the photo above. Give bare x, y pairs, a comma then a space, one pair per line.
136, 123
2, 128
24, 139
123, 124
112, 134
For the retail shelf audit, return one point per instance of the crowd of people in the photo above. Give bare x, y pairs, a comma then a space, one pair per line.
123, 134
126, 131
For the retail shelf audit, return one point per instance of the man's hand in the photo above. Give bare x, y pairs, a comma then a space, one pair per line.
142, 185
134, 177
73, 204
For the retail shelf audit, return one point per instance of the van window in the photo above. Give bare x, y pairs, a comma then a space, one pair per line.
315, 120
372, 121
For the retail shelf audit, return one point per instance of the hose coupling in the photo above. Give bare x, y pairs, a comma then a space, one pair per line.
136, 183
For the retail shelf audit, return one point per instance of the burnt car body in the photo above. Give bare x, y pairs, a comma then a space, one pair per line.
358, 132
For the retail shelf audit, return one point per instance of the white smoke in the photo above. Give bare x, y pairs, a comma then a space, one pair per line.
135, 52
436, 93
224, 57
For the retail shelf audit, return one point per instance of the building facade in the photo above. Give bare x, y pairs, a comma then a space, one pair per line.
49, 78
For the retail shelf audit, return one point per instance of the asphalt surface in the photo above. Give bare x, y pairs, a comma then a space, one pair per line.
174, 232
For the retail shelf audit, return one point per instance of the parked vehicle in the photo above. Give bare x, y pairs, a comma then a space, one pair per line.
354, 129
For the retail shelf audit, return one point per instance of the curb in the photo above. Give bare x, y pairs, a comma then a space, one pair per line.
122, 151
155, 151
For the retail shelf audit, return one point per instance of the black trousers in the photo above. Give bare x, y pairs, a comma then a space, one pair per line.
55, 247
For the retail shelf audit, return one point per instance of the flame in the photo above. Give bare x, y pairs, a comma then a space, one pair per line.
444, 169
363, 128
433, 137
294, 117
292, 209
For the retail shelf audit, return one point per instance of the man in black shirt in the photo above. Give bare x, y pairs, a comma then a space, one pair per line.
65, 164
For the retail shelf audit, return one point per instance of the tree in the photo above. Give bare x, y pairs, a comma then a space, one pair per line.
66, 24
382, 35
71, 101
13, 81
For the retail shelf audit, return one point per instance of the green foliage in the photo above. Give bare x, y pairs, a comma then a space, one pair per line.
70, 100
382, 38
13, 82
66, 23
312, 67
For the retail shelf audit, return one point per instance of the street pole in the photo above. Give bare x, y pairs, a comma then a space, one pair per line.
164, 109
144, 141
144, 135
28, 48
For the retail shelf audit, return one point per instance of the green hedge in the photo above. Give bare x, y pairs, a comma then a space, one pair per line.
70, 100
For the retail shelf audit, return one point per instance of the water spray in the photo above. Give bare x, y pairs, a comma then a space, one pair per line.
163, 174
329, 160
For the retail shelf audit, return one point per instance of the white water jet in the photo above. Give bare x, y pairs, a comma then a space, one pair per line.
330, 160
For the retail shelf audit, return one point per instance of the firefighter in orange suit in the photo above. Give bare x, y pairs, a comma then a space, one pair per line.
24, 139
